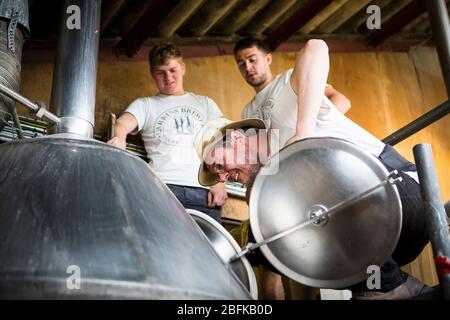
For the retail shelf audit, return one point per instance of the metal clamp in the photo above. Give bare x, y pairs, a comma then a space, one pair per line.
12, 26
37, 107
41, 109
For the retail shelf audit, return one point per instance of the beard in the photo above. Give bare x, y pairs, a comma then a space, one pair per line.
251, 174
249, 185
256, 82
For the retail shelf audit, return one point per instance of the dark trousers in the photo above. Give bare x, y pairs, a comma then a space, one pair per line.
195, 198
413, 235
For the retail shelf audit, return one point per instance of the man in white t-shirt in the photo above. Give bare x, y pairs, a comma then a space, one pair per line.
300, 109
168, 123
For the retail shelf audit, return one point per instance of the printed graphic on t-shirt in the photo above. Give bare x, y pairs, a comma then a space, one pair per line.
178, 125
264, 112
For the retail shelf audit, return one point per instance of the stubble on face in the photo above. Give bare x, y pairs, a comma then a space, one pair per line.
256, 81
239, 167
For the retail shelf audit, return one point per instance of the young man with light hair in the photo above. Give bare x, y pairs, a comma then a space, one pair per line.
168, 123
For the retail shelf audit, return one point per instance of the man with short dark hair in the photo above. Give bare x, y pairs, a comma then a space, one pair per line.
253, 57
168, 123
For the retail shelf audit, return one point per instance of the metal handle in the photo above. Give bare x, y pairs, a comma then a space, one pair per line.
318, 215
37, 107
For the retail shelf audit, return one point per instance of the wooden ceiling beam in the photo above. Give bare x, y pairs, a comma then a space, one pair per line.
146, 26
360, 18
389, 11
130, 16
177, 17
322, 16
110, 10
286, 15
211, 46
206, 17
341, 16
417, 23
422, 24
267, 16
396, 23
295, 22
242, 13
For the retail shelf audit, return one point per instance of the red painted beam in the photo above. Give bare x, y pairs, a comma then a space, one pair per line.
46, 54
396, 23
147, 24
286, 29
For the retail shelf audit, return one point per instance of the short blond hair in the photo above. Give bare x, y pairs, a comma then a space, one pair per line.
161, 53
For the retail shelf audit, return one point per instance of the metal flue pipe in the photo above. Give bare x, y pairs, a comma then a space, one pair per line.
440, 26
74, 76
436, 217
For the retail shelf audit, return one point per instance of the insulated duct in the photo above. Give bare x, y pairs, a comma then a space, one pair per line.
14, 29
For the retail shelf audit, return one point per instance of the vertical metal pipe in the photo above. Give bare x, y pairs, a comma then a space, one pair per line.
436, 217
75, 71
440, 26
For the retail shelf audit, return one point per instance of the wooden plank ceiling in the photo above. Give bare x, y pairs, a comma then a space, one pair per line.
131, 25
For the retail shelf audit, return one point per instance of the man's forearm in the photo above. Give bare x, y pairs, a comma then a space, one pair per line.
120, 130
123, 126
311, 73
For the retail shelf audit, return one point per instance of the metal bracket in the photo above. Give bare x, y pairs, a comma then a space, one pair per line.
12, 26
41, 111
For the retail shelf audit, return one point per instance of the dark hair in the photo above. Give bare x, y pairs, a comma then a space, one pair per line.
249, 42
160, 53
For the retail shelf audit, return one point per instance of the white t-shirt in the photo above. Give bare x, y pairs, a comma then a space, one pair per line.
276, 104
168, 125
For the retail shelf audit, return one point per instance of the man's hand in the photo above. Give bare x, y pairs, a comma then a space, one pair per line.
117, 142
123, 126
217, 195
292, 140
341, 102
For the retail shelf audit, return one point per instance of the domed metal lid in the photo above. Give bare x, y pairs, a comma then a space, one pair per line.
225, 246
313, 176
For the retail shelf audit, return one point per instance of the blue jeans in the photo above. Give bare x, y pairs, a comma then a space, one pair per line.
195, 198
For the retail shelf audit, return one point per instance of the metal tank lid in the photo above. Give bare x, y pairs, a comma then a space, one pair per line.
315, 175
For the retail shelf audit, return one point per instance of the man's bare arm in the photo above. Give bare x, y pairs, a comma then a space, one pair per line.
341, 102
308, 81
124, 125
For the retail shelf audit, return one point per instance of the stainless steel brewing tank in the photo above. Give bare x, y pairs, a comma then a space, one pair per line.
82, 208
316, 174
